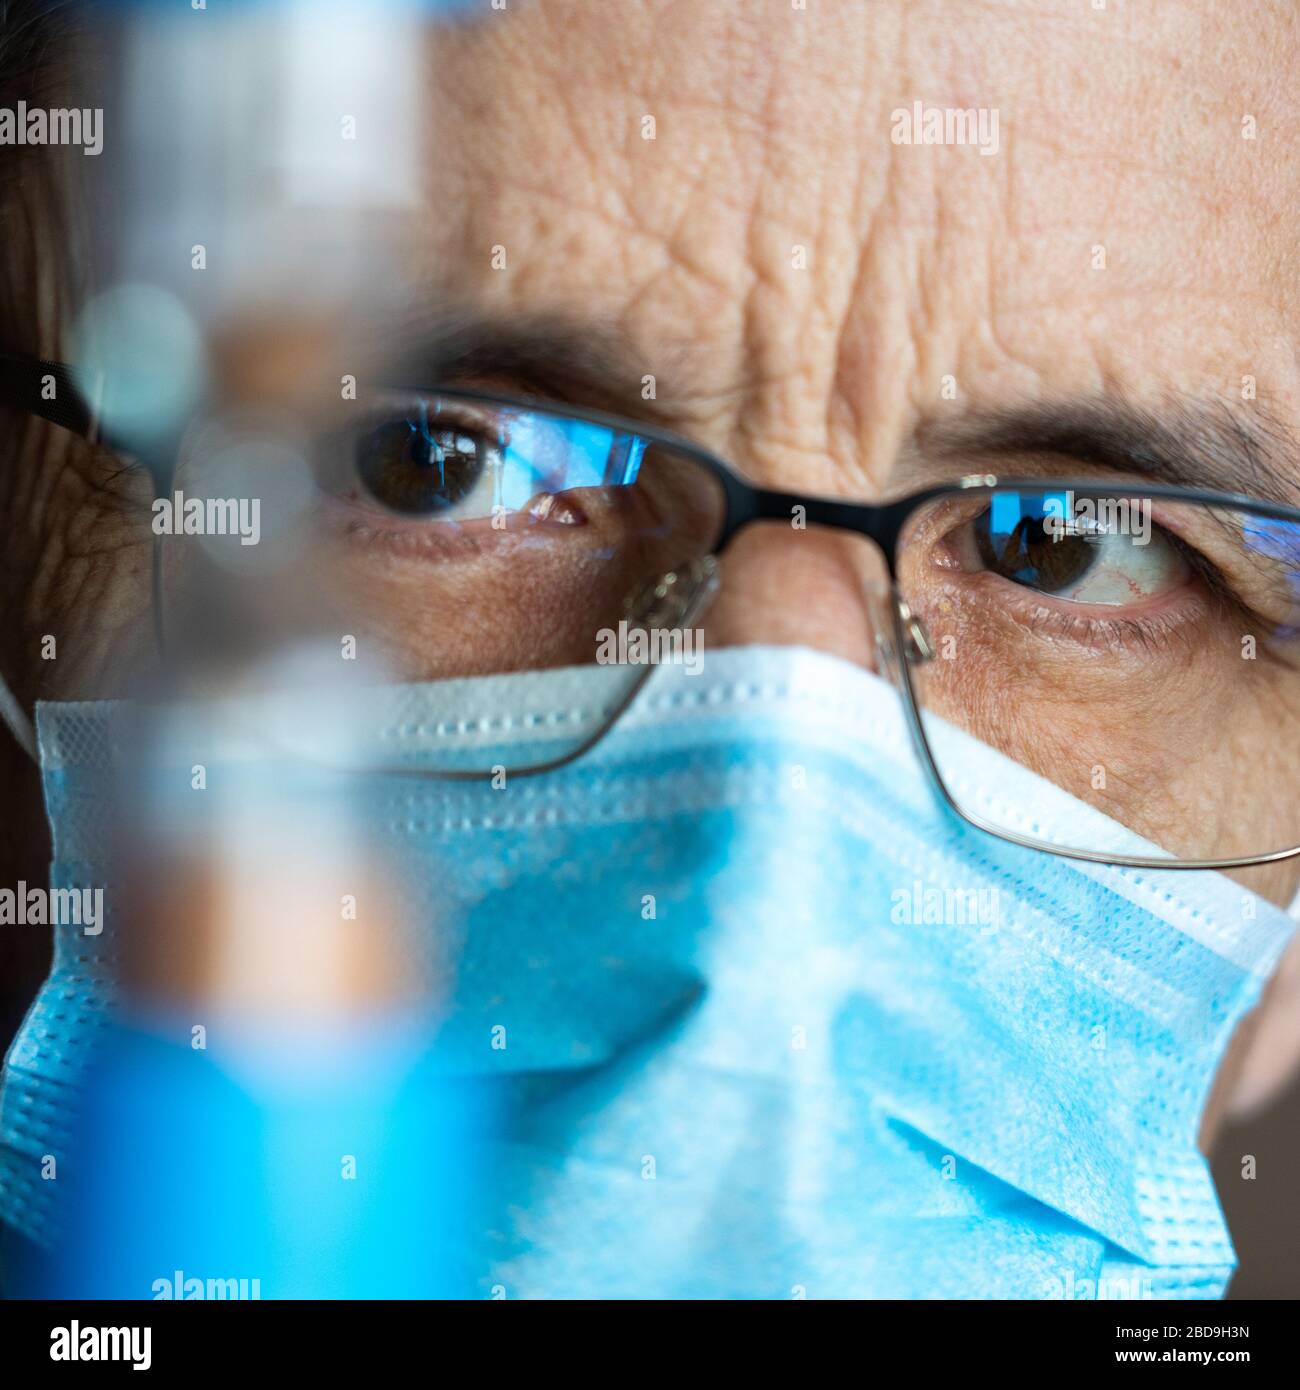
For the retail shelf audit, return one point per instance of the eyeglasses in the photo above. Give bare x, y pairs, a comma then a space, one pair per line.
1135, 645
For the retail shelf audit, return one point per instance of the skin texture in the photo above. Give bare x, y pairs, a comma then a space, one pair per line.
801, 288
771, 134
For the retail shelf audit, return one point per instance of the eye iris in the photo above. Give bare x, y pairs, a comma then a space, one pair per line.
416, 471
1028, 554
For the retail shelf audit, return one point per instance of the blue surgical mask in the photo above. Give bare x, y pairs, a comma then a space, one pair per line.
765, 1019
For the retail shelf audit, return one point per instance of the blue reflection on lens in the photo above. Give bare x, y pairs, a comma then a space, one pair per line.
546, 453
1277, 540
1010, 508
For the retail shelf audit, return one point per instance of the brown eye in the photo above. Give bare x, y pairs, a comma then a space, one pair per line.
1027, 554
1114, 564
415, 468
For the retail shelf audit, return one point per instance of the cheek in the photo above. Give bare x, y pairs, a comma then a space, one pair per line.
1170, 743
527, 597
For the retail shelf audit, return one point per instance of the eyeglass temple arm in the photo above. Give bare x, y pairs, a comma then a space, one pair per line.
48, 390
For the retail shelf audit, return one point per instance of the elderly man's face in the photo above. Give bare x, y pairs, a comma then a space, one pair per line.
802, 287
717, 190
726, 190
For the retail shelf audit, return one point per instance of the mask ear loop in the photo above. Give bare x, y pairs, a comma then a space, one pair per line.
16, 721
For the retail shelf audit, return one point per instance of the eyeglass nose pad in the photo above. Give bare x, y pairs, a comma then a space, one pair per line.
918, 647
676, 597
895, 623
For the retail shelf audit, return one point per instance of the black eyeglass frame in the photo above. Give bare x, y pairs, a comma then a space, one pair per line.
883, 523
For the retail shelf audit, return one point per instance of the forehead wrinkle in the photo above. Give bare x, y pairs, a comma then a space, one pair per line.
589, 359
738, 109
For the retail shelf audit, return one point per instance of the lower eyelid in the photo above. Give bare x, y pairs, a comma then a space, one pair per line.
443, 544
1143, 636
443, 540
1093, 627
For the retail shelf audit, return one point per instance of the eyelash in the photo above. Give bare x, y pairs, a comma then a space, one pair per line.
429, 542
1155, 635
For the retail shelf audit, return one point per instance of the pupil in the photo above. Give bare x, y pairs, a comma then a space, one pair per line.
425, 452
1028, 554
409, 468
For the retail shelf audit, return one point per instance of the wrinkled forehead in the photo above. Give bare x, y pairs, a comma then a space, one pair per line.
1015, 192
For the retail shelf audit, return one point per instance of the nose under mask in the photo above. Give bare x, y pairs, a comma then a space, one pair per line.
766, 1020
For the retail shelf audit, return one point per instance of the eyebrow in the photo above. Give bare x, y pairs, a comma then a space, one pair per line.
587, 362
1211, 444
